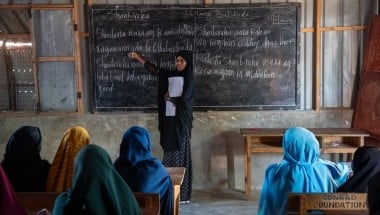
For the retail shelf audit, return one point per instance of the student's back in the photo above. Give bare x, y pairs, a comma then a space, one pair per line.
373, 195
301, 170
62, 169
142, 171
22, 162
97, 188
365, 165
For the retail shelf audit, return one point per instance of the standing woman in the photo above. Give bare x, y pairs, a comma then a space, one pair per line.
175, 113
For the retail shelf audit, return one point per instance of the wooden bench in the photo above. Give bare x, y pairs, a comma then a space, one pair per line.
149, 203
35, 201
176, 174
32, 202
327, 203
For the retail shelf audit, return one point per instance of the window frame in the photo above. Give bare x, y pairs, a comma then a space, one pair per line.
75, 57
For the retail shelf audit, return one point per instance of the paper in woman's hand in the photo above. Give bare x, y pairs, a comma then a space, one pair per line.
175, 89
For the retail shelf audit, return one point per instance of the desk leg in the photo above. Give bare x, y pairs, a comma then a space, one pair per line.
350, 156
177, 190
247, 170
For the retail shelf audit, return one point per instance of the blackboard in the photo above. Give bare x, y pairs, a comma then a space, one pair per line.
245, 56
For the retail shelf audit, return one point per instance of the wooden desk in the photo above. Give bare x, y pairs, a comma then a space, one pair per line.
176, 174
269, 140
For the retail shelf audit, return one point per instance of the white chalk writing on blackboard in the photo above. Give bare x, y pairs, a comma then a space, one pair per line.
252, 47
130, 15
278, 19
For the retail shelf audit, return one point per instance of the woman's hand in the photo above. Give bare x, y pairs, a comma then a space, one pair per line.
166, 96
132, 55
136, 56
43, 211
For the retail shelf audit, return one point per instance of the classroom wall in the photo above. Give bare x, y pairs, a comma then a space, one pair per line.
217, 147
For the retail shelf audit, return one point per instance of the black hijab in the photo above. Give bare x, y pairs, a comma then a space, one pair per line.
174, 130
141, 170
366, 163
22, 161
184, 103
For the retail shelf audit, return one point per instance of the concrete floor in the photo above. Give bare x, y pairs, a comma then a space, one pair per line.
220, 202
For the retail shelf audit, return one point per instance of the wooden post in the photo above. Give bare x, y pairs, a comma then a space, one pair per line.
77, 55
317, 59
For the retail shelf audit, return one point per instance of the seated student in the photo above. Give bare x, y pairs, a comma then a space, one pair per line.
61, 170
366, 163
22, 162
97, 188
8, 200
142, 171
373, 195
301, 170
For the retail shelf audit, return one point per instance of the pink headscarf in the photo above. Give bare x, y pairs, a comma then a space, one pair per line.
8, 200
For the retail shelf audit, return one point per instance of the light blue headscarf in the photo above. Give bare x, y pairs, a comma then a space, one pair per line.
301, 170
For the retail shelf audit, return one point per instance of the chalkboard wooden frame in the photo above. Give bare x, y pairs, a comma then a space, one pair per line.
245, 55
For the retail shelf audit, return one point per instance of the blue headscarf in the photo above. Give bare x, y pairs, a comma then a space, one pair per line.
301, 170
143, 172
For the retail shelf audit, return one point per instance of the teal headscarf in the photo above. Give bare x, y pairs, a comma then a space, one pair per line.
301, 170
97, 188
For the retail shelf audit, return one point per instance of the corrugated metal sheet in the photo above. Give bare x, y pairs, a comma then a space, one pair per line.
14, 21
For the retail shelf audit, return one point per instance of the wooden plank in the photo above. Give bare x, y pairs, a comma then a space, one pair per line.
149, 203
336, 28
54, 59
35, 201
317, 55
78, 59
52, 6
14, 36
176, 174
328, 203
265, 148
